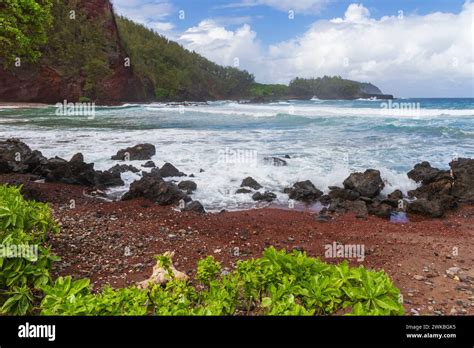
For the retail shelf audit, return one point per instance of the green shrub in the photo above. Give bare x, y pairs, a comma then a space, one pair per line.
23, 224
208, 269
278, 283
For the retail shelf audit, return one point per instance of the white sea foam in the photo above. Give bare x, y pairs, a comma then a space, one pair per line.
343, 140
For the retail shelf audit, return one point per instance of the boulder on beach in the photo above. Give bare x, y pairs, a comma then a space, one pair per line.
432, 208
139, 152
108, 179
75, 172
303, 191
395, 195
153, 187
424, 173
168, 170
194, 206
16, 156
341, 193
123, 168
275, 161
380, 209
435, 184
251, 182
149, 164
187, 185
267, 196
368, 184
463, 185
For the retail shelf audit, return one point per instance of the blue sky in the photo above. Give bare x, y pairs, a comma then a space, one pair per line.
402, 46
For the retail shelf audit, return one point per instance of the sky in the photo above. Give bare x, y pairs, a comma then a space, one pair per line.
409, 48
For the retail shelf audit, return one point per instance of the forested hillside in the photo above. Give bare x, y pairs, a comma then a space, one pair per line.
332, 87
80, 50
176, 73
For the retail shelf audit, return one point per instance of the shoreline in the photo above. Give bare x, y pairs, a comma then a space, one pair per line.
95, 236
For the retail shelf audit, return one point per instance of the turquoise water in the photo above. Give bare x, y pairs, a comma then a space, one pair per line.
326, 140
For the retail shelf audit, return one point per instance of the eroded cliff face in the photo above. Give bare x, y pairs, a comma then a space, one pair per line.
46, 82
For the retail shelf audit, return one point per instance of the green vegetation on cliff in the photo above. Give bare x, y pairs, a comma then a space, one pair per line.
325, 88
23, 28
84, 46
176, 73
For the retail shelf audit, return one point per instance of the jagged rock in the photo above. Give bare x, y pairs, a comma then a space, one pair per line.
153, 187
16, 156
424, 173
344, 194
275, 161
463, 186
433, 208
149, 164
75, 172
395, 195
243, 190
343, 206
325, 199
195, 206
188, 186
380, 209
139, 152
251, 182
303, 191
267, 196
168, 170
108, 179
122, 168
368, 184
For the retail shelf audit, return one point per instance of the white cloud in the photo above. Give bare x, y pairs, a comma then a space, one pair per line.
163, 26
416, 55
222, 46
146, 13
355, 13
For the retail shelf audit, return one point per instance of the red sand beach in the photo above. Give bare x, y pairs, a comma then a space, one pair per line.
429, 260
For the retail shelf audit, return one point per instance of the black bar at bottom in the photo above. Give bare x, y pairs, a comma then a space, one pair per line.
136, 331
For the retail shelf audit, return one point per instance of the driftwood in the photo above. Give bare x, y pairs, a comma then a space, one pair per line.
161, 275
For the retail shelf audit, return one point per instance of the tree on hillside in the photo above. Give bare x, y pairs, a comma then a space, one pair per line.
23, 29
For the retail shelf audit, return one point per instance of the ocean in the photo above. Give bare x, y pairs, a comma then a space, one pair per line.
223, 142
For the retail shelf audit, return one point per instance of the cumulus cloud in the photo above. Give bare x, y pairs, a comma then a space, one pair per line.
223, 46
407, 55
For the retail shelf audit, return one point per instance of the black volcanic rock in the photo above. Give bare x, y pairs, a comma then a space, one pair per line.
188, 186
267, 196
304, 191
432, 208
463, 185
153, 187
424, 173
368, 184
149, 164
344, 194
13, 154
251, 182
168, 170
136, 153
122, 168
194, 206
